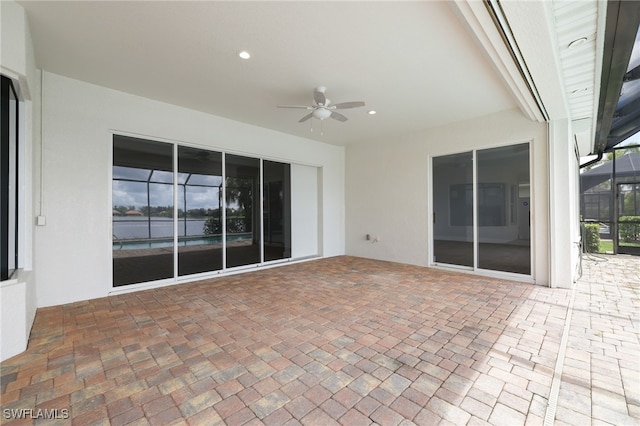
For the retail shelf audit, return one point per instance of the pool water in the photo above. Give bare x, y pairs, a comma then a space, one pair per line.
138, 244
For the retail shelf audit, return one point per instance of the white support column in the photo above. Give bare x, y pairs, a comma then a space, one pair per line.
562, 199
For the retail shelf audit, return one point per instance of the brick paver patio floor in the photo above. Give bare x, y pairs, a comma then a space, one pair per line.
339, 341
601, 372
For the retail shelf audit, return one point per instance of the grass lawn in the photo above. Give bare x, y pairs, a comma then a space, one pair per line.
606, 246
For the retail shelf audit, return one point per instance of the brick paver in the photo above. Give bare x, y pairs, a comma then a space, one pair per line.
339, 341
601, 372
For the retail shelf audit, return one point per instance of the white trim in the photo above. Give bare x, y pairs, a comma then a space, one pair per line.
11, 281
261, 210
216, 148
485, 273
533, 242
482, 26
475, 226
184, 279
24, 193
600, 36
176, 248
110, 234
223, 208
430, 212
41, 211
503, 23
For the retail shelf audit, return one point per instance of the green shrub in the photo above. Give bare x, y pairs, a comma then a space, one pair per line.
591, 237
212, 226
629, 232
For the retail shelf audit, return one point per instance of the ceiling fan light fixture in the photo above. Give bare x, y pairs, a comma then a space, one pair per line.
322, 108
321, 113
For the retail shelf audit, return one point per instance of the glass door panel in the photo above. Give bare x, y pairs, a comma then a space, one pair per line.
453, 209
142, 202
628, 218
503, 204
242, 189
276, 208
9, 181
199, 210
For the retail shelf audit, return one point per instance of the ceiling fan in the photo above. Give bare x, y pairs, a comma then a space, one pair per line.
322, 107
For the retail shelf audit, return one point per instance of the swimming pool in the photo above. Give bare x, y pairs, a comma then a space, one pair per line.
142, 244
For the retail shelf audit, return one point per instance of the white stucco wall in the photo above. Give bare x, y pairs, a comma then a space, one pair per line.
388, 187
14, 38
74, 248
304, 211
18, 295
564, 213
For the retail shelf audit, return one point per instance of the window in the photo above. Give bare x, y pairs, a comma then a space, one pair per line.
8, 180
216, 211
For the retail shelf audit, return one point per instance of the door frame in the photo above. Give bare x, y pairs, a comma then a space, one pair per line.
529, 278
618, 249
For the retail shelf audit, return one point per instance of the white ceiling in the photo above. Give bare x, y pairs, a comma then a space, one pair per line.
415, 63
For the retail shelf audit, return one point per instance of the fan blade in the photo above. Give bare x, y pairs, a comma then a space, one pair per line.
295, 106
305, 118
345, 105
338, 116
319, 98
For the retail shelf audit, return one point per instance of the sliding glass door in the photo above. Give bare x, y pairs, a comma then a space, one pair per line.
503, 201
453, 209
481, 216
180, 211
242, 196
276, 210
9, 159
199, 210
143, 216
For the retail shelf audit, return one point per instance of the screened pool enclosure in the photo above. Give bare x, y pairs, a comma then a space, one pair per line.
610, 201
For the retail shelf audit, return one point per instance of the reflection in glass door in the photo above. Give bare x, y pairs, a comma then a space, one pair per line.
229, 211
142, 197
503, 204
199, 210
483, 223
453, 209
242, 193
276, 208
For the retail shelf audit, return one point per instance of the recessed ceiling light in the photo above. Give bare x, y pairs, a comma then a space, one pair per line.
577, 42
371, 112
244, 54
